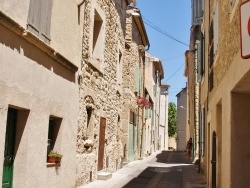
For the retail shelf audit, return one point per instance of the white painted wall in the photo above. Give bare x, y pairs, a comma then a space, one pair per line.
181, 120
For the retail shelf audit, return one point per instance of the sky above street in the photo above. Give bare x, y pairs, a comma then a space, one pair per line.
168, 25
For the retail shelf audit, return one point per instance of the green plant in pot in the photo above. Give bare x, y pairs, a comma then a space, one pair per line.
54, 157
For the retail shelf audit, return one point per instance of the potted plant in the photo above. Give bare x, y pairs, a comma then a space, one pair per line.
58, 157
88, 143
54, 157
142, 101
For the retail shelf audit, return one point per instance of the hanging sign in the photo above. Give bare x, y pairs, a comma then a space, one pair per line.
245, 29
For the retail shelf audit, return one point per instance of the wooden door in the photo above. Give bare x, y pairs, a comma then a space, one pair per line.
9, 148
101, 143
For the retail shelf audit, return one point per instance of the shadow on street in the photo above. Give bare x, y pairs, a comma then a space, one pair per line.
173, 157
178, 176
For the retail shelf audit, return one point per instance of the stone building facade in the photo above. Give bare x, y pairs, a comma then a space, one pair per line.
112, 76
99, 144
224, 95
155, 89
133, 124
71, 90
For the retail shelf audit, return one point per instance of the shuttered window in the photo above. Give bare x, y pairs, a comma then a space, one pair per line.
137, 79
39, 18
197, 11
202, 131
232, 2
154, 90
200, 58
216, 26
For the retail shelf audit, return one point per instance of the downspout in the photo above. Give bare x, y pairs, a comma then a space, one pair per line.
143, 92
156, 105
79, 10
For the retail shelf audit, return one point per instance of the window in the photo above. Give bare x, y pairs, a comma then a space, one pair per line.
200, 58
232, 2
137, 79
213, 43
197, 11
90, 120
97, 36
202, 130
53, 134
97, 39
216, 26
211, 80
39, 19
119, 67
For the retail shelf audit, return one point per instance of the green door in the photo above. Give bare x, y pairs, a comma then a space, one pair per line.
131, 155
9, 148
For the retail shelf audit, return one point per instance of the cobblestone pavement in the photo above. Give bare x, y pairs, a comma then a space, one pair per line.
165, 169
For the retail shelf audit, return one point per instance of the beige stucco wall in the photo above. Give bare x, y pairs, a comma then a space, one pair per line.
227, 114
38, 87
66, 28
222, 95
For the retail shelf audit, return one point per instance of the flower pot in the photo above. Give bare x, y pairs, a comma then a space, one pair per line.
141, 105
51, 159
58, 160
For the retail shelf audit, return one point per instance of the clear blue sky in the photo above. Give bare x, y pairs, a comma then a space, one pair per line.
172, 17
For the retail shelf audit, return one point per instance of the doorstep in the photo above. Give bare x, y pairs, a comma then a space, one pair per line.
104, 175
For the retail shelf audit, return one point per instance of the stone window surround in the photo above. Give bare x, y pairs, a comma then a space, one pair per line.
97, 62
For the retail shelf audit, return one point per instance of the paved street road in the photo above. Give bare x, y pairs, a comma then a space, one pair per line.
167, 169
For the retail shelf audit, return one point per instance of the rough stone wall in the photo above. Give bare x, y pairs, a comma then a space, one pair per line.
229, 38
133, 58
100, 92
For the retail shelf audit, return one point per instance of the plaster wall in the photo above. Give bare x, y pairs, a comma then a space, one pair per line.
181, 120
233, 81
39, 87
163, 119
231, 74
65, 15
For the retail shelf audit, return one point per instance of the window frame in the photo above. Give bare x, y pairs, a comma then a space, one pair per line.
54, 134
97, 41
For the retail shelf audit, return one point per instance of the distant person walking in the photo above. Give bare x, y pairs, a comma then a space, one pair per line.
189, 147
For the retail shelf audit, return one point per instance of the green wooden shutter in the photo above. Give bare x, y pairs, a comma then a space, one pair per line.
137, 79
154, 90
146, 112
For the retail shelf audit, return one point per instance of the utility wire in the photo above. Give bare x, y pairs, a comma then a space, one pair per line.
173, 57
152, 25
175, 72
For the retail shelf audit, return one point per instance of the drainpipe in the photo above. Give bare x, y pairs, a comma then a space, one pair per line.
158, 105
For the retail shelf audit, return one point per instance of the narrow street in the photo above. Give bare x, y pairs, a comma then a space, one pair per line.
168, 169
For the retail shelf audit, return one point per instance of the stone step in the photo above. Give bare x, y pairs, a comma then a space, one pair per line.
104, 175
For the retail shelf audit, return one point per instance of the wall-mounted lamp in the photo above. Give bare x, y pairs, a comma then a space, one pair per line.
183, 107
135, 14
